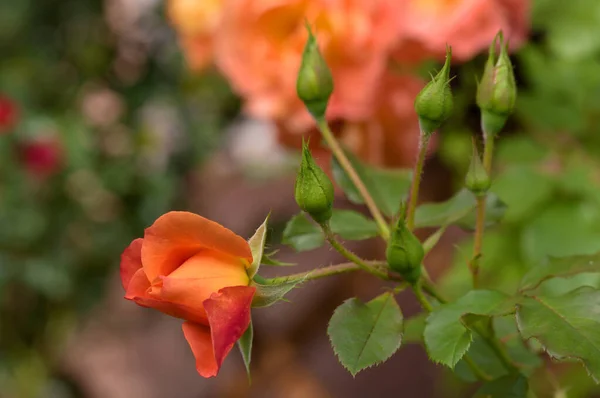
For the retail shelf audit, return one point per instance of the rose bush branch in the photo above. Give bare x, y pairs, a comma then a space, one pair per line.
330, 270
434, 106
314, 87
496, 97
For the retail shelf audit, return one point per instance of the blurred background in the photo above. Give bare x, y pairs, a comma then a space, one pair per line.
113, 112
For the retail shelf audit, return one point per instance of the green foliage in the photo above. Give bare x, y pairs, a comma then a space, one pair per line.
302, 234
559, 267
512, 386
387, 186
270, 293
257, 246
245, 346
446, 336
458, 209
363, 335
566, 326
351, 225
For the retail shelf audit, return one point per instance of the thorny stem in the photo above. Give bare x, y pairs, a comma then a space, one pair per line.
325, 272
416, 181
338, 152
330, 236
488, 153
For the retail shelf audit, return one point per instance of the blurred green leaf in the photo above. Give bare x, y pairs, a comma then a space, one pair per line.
561, 230
458, 209
352, 225
560, 267
447, 339
512, 386
524, 190
302, 234
481, 353
567, 326
414, 327
363, 335
387, 186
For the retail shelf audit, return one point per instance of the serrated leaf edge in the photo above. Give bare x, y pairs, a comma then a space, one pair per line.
396, 348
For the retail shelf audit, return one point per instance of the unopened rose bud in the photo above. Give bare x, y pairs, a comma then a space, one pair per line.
313, 190
497, 91
405, 253
477, 179
315, 83
434, 103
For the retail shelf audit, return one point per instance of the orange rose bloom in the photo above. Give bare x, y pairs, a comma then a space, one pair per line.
194, 269
469, 26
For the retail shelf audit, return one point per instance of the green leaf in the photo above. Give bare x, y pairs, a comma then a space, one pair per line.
245, 346
257, 246
545, 235
414, 327
567, 326
302, 234
387, 186
505, 328
512, 386
513, 182
363, 335
447, 339
458, 209
560, 267
495, 209
352, 225
269, 294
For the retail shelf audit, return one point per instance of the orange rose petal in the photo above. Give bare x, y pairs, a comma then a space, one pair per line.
138, 285
228, 314
131, 261
176, 236
175, 310
199, 339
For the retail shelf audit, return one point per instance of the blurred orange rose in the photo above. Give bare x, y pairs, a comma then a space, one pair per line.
469, 26
196, 22
260, 44
194, 269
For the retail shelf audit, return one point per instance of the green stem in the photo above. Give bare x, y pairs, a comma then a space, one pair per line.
324, 272
418, 289
476, 369
488, 153
330, 236
478, 240
339, 154
416, 181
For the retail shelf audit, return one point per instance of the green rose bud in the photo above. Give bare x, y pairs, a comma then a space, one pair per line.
315, 83
434, 103
404, 252
313, 190
497, 91
477, 179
